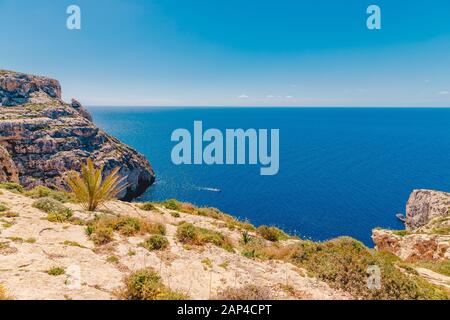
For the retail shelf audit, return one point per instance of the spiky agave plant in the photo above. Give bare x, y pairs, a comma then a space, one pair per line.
91, 189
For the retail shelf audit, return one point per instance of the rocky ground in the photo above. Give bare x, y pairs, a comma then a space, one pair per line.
31, 246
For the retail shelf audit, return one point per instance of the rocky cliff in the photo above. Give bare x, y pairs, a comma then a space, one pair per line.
427, 234
42, 137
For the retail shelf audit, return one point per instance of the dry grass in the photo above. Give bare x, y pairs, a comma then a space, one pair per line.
3, 293
10, 186
44, 192
101, 229
185, 207
272, 233
146, 284
249, 292
189, 234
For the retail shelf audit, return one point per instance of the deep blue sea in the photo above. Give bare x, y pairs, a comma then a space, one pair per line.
343, 171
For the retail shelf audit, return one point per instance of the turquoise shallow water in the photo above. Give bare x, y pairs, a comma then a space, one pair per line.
343, 171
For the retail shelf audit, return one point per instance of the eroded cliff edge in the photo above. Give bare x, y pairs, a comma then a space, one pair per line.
42, 137
427, 233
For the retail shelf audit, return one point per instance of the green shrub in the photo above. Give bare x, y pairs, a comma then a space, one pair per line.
171, 204
401, 233
11, 186
100, 235
146, 284
3, 207
190, 234
113, 259
147, 206
56, 211
175, 214
272, 233
101, 229
44, 192
127, 226
156, 242
48, 205
56, 271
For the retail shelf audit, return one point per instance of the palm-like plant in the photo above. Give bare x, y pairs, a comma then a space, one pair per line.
91, 189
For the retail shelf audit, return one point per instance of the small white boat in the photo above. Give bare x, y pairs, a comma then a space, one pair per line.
209, 189
401, 217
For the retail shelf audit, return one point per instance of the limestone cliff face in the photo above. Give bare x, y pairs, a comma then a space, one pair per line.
427, 234
42, 137
424, 205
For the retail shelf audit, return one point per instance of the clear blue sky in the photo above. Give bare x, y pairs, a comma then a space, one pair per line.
234, 52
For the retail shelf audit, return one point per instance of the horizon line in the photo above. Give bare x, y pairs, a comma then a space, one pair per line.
273, 107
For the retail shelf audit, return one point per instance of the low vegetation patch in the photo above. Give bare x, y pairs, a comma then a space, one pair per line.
146, 284
3, 207
113, 259
44, 192
207, 263
147, 206
175, 214
100, 235
3, 293
249, 292
401, 233
11, 186
72, 244
187, 233
442, 267
6, 249
7, 224
272, 233
56, 211
343, 263
156, 242
444, 230
56, 271
8, 214
101, 229
185, 207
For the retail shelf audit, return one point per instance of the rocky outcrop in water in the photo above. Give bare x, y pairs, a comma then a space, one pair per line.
42, 137
427, 234
424, 205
